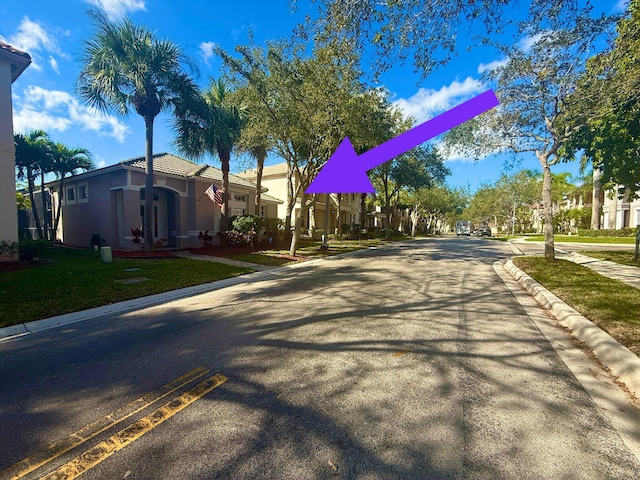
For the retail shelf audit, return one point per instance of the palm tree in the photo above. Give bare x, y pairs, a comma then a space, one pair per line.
126, 66
212, 125
32, 150
259, 152
67, 161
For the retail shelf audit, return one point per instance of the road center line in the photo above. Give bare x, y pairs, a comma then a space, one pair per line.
59, 447
124, 437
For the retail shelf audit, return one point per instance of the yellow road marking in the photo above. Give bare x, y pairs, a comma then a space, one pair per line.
399, 354
54, 450
124, 437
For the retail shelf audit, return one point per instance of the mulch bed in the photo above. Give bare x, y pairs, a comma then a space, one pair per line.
15, 266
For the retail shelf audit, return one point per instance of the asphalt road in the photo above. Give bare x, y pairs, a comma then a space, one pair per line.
409, 361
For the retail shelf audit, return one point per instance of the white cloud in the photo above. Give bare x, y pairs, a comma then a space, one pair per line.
32, 37
39, 108
206, 50
99, 161
427, 102
529, 41
116, 9
54, 64
483, 67
452, 155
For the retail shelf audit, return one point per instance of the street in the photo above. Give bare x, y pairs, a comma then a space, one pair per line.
409, 361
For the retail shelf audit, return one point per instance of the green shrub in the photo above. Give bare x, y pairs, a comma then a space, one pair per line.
30, 250
245, 223
623, 232
8, 248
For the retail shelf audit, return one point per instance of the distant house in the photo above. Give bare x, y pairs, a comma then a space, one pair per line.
343, 210
620, 212
110, 202
12, 63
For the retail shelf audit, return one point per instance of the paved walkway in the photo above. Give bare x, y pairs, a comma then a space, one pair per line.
227, 261
625, 273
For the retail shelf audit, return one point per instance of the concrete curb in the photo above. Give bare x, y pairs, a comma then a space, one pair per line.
621, 361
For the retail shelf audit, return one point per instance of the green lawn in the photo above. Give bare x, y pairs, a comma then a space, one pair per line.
610, 304
578, 239
624, 257
262, 259
74, 279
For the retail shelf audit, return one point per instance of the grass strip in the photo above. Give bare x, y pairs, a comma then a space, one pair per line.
75, 279
622, 257
578, 239
262, 259
609, 303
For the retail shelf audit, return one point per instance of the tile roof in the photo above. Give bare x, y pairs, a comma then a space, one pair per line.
173, 165
19, 60
269, 198
277, 169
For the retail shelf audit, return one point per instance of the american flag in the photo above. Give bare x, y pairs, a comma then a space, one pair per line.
215, 194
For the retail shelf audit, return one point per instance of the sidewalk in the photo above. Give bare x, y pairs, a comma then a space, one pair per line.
624, 273
227, 261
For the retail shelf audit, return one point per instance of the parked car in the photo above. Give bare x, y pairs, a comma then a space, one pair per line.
483, 231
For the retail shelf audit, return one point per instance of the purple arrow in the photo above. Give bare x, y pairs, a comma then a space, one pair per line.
346, 172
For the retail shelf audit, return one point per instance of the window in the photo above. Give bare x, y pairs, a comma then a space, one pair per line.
262, 211
71, 194
82, 192
238, 211
239, 198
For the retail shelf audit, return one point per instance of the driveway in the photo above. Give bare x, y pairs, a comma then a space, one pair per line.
409, 361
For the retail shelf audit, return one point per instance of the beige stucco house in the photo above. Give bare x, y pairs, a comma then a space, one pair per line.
109, 201
343, 211
620, 212
12, 63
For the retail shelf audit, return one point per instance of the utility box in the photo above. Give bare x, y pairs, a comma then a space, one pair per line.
105, 254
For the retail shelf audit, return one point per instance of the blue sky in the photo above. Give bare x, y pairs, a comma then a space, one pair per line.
44, 94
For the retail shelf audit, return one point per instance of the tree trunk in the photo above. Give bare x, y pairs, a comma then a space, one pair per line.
45, 223
34, 208
363, 210
291, 202
147, 223
387, 232
296, 234
338, 223
414, 221
595, 201
225, 159
259, 170
58, 208
549, 249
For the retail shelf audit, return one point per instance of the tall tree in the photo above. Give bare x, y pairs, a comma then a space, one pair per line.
212, 125
426, 33
125, 66
32, 152
309, 104
421, 167
604, 111
533, 86
67, 161
253, 141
